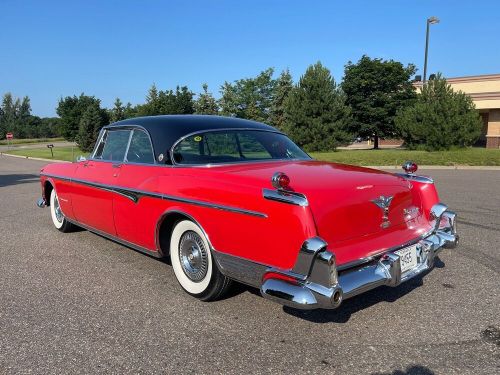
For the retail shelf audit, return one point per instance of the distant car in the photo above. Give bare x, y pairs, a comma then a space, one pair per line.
230, 199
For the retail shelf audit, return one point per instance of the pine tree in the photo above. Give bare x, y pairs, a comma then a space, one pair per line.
283, 87
152, 101
118, 111
90, 124
206, 104
439, 119
316, 116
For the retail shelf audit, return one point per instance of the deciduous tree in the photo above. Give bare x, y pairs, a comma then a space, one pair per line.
70, 110
375, 90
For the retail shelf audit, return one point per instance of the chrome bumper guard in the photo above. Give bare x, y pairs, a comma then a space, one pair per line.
314, 283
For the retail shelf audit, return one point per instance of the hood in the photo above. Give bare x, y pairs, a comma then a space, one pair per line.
346, 201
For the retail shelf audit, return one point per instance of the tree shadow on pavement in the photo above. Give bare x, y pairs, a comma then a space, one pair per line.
16, 179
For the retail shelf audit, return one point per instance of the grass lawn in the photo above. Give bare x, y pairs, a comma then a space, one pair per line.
470, 156
30, 140
60, 153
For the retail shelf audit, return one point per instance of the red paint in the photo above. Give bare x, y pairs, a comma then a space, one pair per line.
340, 208
9, 136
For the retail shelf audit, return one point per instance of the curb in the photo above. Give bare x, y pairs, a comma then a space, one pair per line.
444, 167
32, 158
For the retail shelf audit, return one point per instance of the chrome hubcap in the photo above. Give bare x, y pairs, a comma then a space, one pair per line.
57, 210
193, 256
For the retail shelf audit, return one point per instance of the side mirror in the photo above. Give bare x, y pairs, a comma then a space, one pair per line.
81, 158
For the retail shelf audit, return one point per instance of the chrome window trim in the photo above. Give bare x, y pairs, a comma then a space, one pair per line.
126, 149
140, 129
134, 195
175, 164
131, 128
99, 138
128, 145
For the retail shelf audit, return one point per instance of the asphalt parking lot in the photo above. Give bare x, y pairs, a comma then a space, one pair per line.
78, 303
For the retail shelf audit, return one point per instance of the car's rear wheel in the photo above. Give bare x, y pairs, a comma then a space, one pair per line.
60, 222
193, 263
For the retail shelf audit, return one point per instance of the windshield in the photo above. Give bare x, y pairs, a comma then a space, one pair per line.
232, 146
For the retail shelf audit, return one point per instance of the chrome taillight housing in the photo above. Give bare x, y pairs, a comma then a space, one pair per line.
410, 167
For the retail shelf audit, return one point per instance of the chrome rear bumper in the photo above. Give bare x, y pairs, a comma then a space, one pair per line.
315, 283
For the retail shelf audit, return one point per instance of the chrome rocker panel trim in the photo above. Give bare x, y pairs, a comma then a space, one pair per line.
314, 281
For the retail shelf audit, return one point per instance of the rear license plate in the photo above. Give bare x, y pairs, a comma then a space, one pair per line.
408, 258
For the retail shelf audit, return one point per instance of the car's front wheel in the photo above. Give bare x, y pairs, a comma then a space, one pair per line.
60, 222
193, 263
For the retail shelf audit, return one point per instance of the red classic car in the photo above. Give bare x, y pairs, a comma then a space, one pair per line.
230, 199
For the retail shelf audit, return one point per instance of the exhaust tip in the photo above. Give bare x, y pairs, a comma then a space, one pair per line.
41, 203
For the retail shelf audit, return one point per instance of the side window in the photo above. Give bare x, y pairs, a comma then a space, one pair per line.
113, 145
140, 149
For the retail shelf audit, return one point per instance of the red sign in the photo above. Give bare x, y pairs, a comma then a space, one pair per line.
10, 136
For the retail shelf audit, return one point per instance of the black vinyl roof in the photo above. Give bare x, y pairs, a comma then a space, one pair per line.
165, 130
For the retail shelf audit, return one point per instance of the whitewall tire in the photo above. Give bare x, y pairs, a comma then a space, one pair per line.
193, 263
58, 219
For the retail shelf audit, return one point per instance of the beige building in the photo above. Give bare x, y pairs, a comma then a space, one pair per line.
485, 92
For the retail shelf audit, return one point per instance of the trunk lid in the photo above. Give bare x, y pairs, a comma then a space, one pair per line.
342, 198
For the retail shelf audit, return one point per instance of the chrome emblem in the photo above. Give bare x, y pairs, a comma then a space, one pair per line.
383, 203
410, 212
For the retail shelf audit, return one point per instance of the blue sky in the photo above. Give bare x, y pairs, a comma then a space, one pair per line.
110, 49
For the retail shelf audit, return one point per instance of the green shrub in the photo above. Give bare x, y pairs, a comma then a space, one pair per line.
439, 119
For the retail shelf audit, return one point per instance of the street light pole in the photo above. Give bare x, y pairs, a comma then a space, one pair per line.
430, 21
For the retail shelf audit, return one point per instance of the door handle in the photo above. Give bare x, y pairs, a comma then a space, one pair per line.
117, 166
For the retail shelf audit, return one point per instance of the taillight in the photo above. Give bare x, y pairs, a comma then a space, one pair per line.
280, 181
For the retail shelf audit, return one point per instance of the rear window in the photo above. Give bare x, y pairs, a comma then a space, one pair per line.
230, 146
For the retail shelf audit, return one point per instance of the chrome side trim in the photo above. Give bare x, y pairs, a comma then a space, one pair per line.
416, 178
284, 196
134, 195
131, 245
